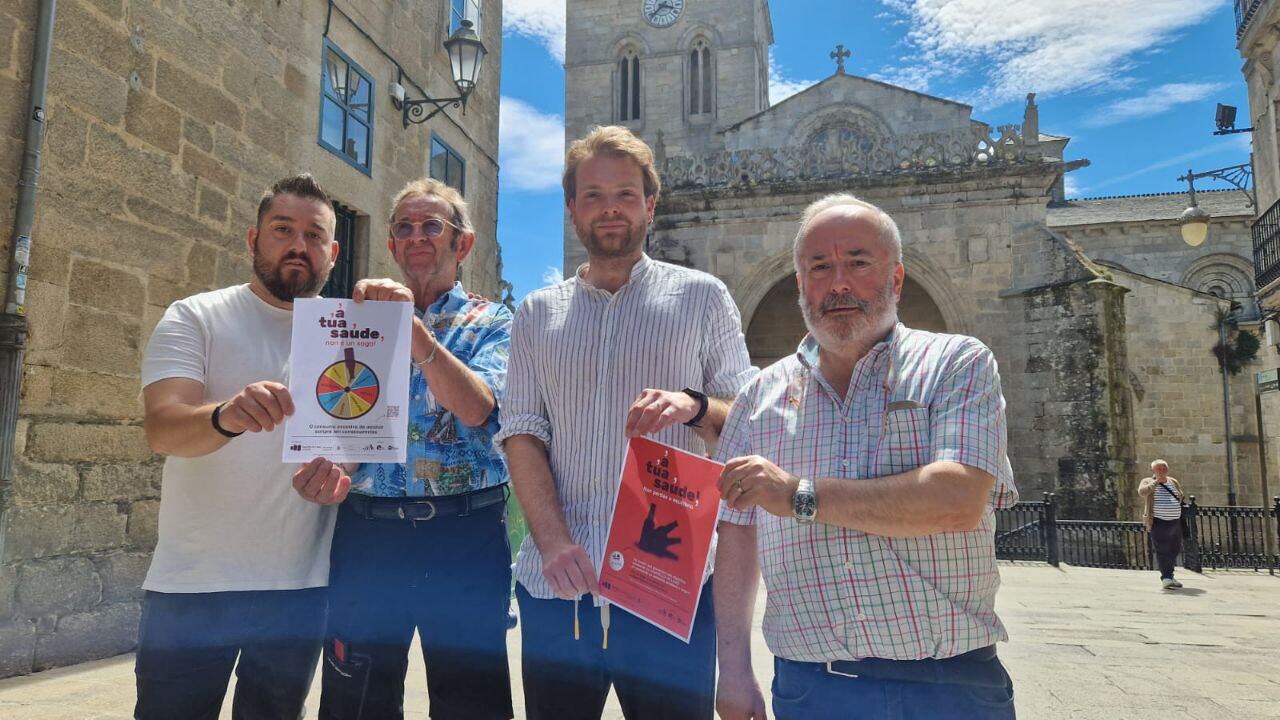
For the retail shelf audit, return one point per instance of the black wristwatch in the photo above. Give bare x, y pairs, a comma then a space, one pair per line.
216, 426
703, 404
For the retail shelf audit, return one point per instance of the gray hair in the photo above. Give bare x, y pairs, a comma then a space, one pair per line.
1154, 463
888, 228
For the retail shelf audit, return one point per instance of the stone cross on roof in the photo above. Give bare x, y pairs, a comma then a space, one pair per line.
840, 55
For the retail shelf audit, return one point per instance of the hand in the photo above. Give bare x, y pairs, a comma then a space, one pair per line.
568, 570
477, 297
381, 289
738, 696
322, 482
753, 481
657, 410
259, 407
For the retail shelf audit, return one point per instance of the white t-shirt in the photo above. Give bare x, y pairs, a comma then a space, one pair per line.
230, 520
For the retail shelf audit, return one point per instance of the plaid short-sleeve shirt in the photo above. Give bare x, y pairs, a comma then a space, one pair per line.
838, 594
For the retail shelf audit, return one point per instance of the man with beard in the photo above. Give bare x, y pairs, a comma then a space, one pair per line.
866, 467
238, 575
423, 545
595, 359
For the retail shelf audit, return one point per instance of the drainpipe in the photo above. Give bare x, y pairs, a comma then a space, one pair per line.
13, 322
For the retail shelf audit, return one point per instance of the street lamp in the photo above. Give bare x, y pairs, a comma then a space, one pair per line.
466, 57
1194, 221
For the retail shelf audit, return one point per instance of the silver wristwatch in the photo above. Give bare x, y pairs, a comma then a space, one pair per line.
804, 504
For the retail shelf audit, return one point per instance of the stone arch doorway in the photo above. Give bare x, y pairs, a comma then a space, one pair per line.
777, 326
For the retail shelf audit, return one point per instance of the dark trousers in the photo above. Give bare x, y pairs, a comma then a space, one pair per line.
655, 675
1166, 543
189, 643
806, 691
449, 578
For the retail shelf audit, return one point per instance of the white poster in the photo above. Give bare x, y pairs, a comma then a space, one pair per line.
349, 379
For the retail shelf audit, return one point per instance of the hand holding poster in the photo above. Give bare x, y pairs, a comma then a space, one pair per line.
349, 380
660, 535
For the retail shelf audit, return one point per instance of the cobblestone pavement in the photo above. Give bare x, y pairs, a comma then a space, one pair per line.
1085, 644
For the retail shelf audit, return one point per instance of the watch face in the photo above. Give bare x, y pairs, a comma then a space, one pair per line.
663, 13
805, 505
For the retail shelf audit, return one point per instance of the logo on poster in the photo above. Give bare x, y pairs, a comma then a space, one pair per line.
616, 561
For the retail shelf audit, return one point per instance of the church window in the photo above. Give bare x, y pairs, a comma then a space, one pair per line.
628, 86
346, 108
701, 88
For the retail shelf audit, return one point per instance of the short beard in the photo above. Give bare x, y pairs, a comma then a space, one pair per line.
875, 318
596, 248
272, 278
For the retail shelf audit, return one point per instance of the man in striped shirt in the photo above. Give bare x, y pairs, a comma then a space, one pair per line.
599, 357
865, 469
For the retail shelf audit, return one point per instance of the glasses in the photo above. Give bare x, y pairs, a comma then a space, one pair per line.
431, 227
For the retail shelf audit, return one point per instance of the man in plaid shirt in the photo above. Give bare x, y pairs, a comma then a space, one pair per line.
865, 468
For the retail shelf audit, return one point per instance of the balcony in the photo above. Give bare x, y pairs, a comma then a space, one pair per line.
1245, 12
1266, 247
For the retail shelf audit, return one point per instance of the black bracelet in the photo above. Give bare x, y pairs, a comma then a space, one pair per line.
219, 428
703, 404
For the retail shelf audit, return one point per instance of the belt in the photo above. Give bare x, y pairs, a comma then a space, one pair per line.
978, 667
379, 508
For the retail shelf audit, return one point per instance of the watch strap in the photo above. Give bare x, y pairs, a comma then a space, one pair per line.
704, 404
218, 426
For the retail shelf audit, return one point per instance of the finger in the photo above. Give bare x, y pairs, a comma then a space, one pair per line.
311, 490
585, 567
648, 418
282, 398
634, 414
341, 491
357, 293
261, 394
234, 416
304, 474
334, 489
575, 580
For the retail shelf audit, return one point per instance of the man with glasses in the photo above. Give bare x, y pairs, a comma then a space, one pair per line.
423, 545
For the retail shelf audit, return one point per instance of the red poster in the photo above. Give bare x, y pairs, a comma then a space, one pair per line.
660, 535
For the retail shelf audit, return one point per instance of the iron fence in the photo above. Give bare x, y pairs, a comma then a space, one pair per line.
1266, 247
1218, 537
1245, 10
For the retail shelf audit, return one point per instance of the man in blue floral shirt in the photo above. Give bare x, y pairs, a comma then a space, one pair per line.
423, 545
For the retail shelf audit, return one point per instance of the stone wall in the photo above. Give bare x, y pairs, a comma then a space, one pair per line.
165, 123
1178, 392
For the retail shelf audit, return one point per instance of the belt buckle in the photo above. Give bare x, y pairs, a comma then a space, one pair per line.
832, 671
433, 511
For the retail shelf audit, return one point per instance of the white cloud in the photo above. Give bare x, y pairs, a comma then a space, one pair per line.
1073, 188
1153, 102
552, 276
1038, 45
531, 147
541, 20
780, 86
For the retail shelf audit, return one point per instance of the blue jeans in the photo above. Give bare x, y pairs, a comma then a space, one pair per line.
188, 644
803, 691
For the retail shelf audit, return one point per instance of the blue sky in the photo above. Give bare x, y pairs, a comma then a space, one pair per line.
1132, 82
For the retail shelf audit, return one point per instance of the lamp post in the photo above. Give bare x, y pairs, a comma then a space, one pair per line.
466, 57
1194, 220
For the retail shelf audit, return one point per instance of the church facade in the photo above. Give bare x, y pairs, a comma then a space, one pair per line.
1101, 320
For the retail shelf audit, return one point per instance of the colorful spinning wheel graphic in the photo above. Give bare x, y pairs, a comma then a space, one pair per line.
347, 389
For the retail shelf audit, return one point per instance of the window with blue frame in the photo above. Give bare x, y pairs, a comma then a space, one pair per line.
460, 10
447, 166
346, 108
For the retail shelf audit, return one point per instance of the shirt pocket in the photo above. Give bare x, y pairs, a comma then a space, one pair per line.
904, 441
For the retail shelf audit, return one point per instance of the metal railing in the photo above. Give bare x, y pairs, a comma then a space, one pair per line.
1235, 537
1245, 12
1218, 537
1266, 247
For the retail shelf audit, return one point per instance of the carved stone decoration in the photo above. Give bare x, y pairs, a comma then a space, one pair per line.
847, 145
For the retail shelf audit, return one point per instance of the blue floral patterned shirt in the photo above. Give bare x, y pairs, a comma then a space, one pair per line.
446, 457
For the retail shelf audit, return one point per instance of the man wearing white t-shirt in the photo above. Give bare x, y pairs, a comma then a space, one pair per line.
242, 562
